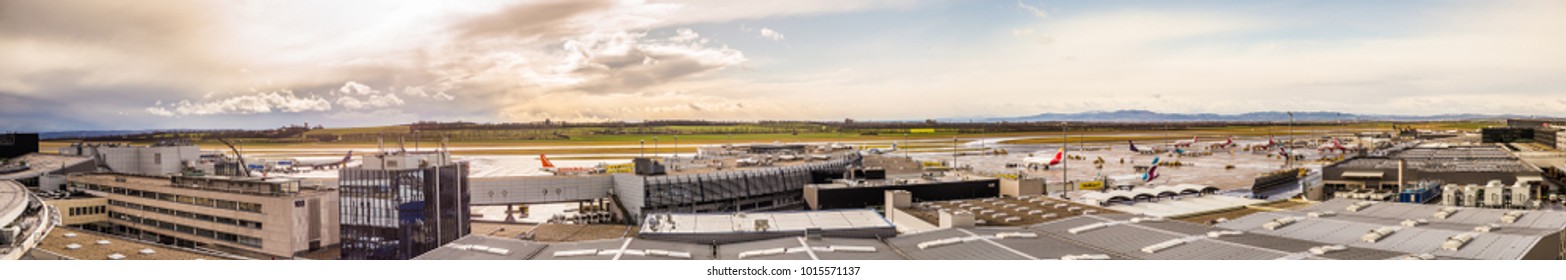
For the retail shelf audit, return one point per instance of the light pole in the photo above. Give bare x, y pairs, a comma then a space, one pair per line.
1065, 177
644, 147
655, 146
905, 144
954, 152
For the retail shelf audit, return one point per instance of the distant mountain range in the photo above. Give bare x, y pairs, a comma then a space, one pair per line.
1150, 116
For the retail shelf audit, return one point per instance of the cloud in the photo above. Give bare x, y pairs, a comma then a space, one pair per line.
771, 34
684, 35
263, 102
369, 102
1030, 9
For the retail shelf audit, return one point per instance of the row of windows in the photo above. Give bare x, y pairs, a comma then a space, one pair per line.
187, 215
198, 201
88, 210
218, 235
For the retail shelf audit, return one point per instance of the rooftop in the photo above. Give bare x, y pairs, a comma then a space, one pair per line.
1409, 228
775, 221
800, 248
267, 186
1442, 165
480, 247
13, 200
1006, 211
1182, 206
39, 164
95, 246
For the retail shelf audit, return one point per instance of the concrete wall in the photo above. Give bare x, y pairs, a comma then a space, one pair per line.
631, 191
908, 223
1021, 187
65, 206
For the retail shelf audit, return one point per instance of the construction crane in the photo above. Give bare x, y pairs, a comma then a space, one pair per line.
242, 165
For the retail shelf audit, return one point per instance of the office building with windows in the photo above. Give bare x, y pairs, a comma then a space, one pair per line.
400, 205
255, 217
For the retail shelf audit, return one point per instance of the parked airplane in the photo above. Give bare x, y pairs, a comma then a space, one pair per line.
1334, 145
325, 163
878, 151
1227, 143
1133, 146
1183, 144
1152, 172
1059, 155
551, 168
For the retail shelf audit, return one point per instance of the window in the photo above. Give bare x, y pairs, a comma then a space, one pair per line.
250, 207
157, 158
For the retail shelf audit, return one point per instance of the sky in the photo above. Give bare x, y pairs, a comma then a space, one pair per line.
98, 65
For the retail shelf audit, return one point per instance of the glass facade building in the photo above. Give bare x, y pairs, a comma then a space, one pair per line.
398, 214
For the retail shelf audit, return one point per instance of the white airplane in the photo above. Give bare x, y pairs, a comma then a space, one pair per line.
1033, 161
324, 163
879, 151
1227, 143
1184, 144
551, 168
747, 162
1334, 145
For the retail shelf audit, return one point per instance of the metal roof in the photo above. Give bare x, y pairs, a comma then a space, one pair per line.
1192, 241
821, 249
971, 250
1465, 216
1350, 231
464, 249
776, 221
1184, 205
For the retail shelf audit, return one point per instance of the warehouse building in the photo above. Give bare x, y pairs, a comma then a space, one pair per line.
1386, 176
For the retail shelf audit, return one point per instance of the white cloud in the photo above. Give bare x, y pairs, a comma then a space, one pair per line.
771, 34
264, 102
370, 101
684, 35
1034, 10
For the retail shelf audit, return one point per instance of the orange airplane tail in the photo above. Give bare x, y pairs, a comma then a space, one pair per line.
545, 159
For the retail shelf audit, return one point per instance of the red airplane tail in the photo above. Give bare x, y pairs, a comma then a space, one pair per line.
545, 159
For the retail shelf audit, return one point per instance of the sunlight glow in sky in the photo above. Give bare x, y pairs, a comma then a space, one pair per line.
78, 65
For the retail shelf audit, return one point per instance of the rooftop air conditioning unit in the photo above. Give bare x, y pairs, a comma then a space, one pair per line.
1456, 242
1085, 257
1323, 250
1376, 234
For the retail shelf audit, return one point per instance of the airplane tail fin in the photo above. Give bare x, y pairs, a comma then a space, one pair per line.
1152, 173
1058, 156
348, 156
545, 159
1133, 146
